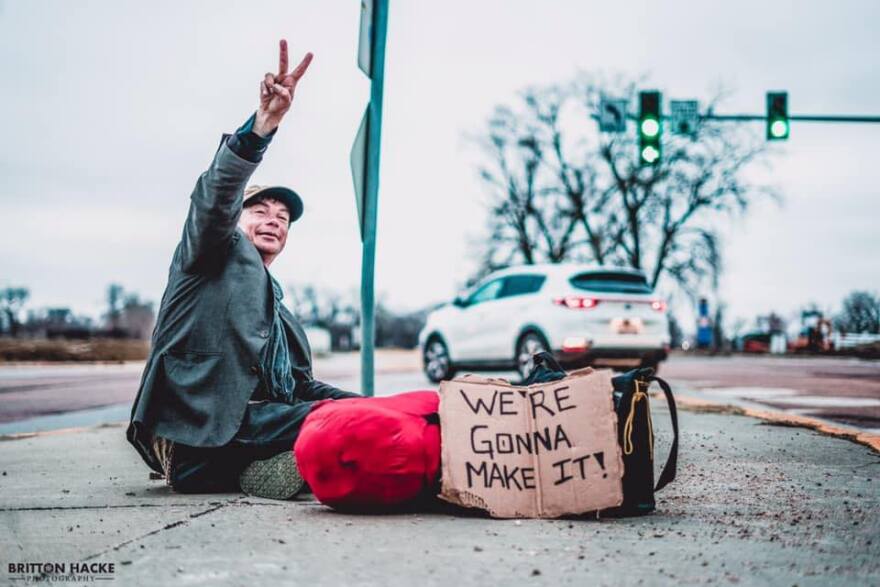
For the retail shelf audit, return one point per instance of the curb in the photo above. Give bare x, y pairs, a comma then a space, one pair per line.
26, 435
693, 404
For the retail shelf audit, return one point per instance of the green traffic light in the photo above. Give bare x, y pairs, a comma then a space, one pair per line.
779, 129
777, 116
650, 127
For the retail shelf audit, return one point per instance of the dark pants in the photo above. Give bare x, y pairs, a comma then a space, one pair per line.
268, 428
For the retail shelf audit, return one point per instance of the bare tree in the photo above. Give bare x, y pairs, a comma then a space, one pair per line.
561, 191
861, 313
327, 309
115, 300
12, 299
317, 307
339, 314
543, 189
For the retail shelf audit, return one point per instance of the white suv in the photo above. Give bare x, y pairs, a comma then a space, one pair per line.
583, 314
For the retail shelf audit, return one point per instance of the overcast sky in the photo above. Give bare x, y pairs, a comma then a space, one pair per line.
111, 109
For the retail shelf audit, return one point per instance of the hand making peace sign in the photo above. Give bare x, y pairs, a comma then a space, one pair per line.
276, 92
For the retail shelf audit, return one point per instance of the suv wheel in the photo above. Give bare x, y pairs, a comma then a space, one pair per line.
528, 345
436, 361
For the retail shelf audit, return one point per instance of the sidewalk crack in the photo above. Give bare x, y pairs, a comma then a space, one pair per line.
216, 506
95, 507
181, 522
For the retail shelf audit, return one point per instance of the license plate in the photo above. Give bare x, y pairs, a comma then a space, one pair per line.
627, 325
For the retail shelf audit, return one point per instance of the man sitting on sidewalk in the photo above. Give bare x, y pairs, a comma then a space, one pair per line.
228, 381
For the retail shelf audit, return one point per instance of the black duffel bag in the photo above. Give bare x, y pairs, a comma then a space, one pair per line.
635, 432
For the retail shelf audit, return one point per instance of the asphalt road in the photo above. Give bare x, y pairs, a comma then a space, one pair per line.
842, 390
30, 391
847, 391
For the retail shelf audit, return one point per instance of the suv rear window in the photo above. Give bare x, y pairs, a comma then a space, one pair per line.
518, 285
611, 282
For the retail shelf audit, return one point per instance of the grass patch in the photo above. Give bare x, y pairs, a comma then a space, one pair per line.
58, 350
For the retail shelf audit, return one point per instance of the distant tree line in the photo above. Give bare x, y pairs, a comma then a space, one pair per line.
127, 316
813, 329
340, 315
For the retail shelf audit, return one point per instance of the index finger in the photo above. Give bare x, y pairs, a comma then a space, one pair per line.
282, 58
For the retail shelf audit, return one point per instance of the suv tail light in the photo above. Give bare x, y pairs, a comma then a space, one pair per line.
658, 305
577, 302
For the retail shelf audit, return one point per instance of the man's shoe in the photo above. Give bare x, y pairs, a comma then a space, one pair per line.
274, 478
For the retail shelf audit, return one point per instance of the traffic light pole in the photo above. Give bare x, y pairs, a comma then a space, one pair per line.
800, 117
762, 117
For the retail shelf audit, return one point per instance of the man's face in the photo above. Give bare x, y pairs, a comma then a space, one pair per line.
265, 223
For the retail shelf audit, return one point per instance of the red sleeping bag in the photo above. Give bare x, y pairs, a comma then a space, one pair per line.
371, 453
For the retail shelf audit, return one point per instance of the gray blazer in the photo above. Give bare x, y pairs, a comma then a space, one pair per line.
213, 321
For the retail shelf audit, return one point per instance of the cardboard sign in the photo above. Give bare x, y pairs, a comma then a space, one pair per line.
541, 451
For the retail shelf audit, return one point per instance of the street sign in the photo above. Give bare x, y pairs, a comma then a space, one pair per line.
684, 117
612, 115
365, 40
358, 161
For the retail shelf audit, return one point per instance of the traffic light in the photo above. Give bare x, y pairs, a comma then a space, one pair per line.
777, 116
650, 127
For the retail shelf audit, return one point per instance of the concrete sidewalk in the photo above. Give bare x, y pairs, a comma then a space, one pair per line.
753, 504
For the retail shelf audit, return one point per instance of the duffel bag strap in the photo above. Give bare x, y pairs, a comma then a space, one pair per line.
668, 474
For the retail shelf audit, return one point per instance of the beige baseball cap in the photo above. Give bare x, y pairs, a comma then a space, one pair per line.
255, 193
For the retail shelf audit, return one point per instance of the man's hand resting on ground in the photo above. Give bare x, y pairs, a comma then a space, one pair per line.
276, 92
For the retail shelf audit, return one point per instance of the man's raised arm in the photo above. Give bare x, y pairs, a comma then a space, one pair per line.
216, 200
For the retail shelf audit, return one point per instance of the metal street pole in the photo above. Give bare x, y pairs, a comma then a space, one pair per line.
371, 194
800, 117
869, 119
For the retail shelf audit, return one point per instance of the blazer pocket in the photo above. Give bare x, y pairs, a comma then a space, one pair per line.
192, 371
